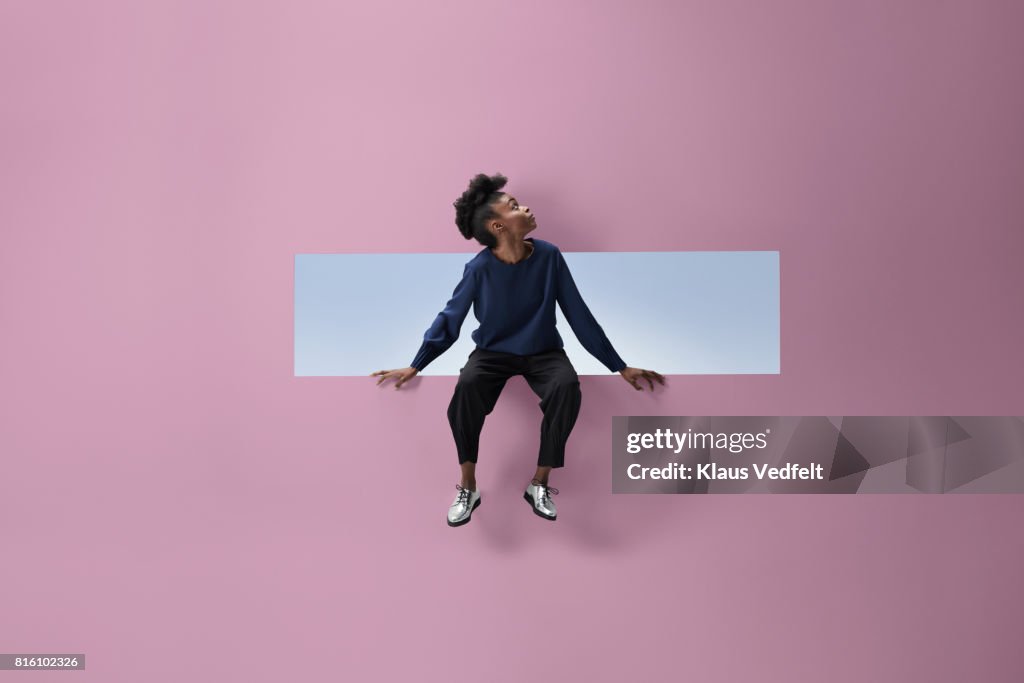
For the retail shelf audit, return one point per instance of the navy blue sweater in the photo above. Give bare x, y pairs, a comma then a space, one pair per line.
515, 305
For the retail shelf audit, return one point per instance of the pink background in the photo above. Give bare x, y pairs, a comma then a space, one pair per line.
178, 506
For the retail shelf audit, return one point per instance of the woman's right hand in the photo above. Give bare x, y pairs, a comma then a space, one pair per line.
401, 375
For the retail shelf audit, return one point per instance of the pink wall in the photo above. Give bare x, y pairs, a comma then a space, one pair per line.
178, 506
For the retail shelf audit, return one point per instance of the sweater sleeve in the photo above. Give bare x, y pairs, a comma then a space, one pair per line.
445, 328
581, 320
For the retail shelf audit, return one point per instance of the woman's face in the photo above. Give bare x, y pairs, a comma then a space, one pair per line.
515, 219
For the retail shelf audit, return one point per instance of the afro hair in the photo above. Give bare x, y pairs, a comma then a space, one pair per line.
473, 209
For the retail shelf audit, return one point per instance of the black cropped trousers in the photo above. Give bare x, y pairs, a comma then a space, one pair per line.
550, 375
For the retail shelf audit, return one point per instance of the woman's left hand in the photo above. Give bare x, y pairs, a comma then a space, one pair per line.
634, 375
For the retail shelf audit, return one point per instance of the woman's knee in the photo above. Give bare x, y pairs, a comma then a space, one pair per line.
469, 382
568, 378
475, 392
566, 383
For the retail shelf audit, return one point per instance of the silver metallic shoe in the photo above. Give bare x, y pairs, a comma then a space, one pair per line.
462, 509
539, 497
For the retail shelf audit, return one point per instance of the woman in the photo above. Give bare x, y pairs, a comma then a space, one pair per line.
513, 285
